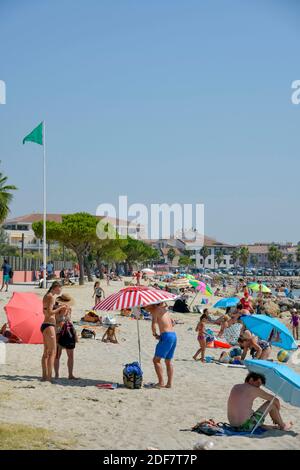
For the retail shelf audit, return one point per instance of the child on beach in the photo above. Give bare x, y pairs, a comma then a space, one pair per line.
110, 335
295, 323
200, 328
98, 292
224, 325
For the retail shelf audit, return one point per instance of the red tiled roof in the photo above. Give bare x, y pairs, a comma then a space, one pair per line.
36, 217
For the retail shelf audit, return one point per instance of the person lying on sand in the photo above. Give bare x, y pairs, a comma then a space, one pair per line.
240, 403
167, 342
9, 335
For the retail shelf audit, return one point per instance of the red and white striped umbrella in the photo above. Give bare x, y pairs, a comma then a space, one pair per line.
134, 296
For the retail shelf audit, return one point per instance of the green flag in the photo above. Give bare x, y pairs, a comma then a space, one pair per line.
35, 136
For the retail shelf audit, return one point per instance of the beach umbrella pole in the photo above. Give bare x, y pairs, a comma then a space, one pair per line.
139, 340
267, 409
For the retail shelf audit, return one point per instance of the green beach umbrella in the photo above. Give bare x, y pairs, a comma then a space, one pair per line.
259, 287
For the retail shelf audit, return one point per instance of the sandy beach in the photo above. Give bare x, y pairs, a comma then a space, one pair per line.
90, 418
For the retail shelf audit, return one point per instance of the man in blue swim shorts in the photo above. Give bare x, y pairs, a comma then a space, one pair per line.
167, 342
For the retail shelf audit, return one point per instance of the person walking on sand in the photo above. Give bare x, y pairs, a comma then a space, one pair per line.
167, 342
48, 330
6, 269
98, 292
240, 403
200, 328
295, 323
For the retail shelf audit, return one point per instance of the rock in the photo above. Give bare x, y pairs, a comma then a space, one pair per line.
272, 308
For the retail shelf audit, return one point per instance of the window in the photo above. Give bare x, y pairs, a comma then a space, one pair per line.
22, 227
209, 261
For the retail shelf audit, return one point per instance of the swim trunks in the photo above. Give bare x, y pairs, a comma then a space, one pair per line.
166, 346
251, 422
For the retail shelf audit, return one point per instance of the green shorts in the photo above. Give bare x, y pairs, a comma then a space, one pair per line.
251, 422
6, 278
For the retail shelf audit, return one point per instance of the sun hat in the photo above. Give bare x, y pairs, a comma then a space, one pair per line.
65, 299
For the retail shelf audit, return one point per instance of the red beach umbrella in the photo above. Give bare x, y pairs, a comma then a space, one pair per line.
24, 312
135, 296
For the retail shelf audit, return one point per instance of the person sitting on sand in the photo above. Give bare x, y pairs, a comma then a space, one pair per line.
200, 328
110, 335
61, 318
166, 346
259, 349
240, 404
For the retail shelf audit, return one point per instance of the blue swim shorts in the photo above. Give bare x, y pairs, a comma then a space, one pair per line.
166, 346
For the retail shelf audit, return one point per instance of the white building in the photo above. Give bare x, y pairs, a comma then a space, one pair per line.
214, 247
19, 227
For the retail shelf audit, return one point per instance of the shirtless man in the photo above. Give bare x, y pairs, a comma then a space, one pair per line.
48, 330
240, 402
167, 342
259, 349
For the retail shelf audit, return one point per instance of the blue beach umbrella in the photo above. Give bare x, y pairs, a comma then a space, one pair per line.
280, 379
227, 302
270, 329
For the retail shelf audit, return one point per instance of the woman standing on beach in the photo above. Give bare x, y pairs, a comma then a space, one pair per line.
48, 330
61, 319
200, 328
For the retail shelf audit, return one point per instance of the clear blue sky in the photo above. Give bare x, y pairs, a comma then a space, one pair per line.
163, 100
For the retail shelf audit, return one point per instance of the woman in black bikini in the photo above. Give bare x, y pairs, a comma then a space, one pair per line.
48, 330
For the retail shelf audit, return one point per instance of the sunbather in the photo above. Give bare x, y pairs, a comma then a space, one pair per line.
240, 403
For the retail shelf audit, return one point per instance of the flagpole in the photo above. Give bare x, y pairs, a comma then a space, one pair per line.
44, 218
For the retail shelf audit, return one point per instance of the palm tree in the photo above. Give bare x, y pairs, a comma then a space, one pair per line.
244, 257
219, 257
204, 252
171, 254
274, 256
290, 259
298, 254
6, 197
235, 255
253, 260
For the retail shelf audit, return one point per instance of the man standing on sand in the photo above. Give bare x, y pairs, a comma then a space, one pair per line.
167, 342
240, 402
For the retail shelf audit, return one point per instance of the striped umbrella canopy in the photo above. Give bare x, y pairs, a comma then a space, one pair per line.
134, 296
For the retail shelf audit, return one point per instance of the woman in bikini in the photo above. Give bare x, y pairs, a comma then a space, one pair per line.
62, 318
48, 330
200, 328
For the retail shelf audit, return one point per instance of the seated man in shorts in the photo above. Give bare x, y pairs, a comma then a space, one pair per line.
240, 403
167, 342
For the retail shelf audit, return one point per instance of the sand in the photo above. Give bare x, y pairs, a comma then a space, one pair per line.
92, 418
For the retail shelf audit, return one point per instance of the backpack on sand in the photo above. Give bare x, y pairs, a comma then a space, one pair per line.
67, 336
132, 375
87, 334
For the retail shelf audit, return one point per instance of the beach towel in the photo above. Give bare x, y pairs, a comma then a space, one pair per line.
210, 428
107, 386
232, 333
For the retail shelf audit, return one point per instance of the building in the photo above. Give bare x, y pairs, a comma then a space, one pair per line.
214, 247
259, 253
19, 228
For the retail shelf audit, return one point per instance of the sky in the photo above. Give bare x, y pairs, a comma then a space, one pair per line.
165, 101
